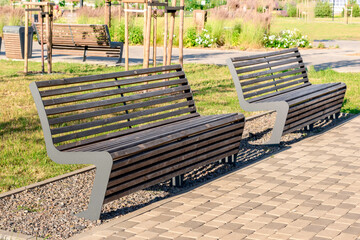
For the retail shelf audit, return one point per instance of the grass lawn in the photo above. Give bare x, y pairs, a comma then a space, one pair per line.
320, 29
23, 158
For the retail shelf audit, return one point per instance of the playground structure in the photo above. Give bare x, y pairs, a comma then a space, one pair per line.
45, 10
150, 17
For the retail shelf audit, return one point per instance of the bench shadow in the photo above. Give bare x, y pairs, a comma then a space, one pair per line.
249, 154
334, 65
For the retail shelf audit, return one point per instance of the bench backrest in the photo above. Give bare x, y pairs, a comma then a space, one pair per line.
263, 74
93, 108
76, 34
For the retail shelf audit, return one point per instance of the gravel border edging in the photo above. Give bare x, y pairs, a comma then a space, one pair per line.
47, 181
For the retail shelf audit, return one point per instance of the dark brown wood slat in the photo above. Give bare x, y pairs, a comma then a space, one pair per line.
266, 98
170, 175
65, 81
122, 117
311, 111
186, 144
268, 65
122, 108
135, 177
313, 116
173, 135
314, 120
149, 135
102, 103
276, 87
102, 85
274, 83
265, 59
120, 126
313, 101
270, 54
272, 71
333, 87
174, 167
176, 151
83, 143
270, 77
317, 90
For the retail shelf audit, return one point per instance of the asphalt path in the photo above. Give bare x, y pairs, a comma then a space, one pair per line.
340, 55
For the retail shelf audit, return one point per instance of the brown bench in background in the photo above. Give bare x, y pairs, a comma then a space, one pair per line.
82, 37
279, 81
137, 130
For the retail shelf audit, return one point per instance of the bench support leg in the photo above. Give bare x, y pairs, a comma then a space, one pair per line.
98, 192
281, 115
177, 181
120, 53
85, 50
230, 159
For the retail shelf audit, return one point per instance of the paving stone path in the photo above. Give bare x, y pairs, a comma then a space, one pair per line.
309, 191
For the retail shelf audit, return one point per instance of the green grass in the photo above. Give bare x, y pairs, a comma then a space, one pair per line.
320, 29
23, 158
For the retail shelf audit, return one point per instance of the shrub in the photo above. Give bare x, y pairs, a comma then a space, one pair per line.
323, 9
291, 9
190, 37
286, 39
356, 10
204, 39
136, 35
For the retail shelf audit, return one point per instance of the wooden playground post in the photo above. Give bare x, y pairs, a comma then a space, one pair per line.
47, 9
108, 13
166, 19
126, 36
26, 39
181, 34
42, 38
145, 28
171, 34
154, 37
148, 37
346, 13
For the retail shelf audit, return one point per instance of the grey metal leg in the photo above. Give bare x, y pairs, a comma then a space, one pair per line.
178, 181
85, 50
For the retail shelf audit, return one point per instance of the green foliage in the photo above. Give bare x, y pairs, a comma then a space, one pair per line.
291, 9
286, 39
190, 37
62, 3
99, 3
356, 10
4, 2
136, 35
323, 9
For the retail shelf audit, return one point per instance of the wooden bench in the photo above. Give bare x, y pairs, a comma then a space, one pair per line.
137, 127
278, 81
82, 37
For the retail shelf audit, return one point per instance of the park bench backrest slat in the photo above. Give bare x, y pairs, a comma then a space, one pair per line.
269, 73
86, 107
77, 34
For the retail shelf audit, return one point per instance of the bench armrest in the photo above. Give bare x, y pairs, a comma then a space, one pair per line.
116, 44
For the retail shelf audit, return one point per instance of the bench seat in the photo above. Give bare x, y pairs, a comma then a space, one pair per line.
138, 128
278, 81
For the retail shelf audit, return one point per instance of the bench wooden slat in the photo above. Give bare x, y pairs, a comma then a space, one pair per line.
100, 85
268, 65
76, 80
271, 77
121, 125
275, 88
265, 60
274, 83
111, 101
267, 97
270, 54
96, 123
117, 144
123, 108
75, 146
272, 71
185, 145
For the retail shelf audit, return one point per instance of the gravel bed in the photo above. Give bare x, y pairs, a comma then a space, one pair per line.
48, 211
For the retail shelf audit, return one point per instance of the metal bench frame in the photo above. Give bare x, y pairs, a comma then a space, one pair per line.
274, 94
172, 146
106, 45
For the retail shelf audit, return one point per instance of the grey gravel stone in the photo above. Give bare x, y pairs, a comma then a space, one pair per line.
48, 211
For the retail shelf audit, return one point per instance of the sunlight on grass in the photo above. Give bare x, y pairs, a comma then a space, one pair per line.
23, 158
